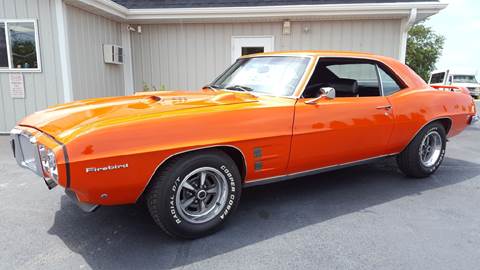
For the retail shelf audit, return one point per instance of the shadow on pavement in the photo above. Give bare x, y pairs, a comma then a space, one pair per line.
125, 237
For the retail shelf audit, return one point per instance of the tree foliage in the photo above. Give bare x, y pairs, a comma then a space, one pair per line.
424, 48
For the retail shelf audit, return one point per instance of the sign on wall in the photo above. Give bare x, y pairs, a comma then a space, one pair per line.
17, 86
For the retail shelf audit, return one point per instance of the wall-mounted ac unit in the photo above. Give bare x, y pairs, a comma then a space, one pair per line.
112, 54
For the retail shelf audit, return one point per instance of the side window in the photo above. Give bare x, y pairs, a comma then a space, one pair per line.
363, 74
349, 78
437, 77
390, 86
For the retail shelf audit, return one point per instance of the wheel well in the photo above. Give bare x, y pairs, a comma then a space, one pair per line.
446, 122
237, 157
233, 152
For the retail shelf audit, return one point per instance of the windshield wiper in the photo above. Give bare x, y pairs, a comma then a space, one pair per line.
239, 88
213, 87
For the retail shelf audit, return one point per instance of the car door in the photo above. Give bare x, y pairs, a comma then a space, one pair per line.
350, 127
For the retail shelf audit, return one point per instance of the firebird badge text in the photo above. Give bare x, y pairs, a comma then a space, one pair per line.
107, 168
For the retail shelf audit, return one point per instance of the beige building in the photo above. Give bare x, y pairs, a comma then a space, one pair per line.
55, 51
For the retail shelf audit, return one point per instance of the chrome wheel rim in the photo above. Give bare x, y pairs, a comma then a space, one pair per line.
201, 195
430, 148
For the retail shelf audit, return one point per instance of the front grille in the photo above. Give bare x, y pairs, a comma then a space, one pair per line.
28, 152
25, 151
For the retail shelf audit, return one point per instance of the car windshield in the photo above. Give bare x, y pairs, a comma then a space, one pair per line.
464, 79
271, 75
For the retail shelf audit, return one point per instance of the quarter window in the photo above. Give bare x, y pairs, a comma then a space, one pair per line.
390, 86
19, 46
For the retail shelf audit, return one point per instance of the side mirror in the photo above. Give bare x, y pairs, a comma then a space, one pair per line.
325, 93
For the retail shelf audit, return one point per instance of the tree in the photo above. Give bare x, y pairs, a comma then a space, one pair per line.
424, 47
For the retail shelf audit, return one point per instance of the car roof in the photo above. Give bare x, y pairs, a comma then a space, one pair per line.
347, 54
456, 71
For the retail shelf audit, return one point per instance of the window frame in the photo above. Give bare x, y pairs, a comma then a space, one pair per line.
312, 62
11, 69
376, 63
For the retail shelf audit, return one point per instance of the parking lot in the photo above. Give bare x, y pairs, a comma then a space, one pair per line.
364, 217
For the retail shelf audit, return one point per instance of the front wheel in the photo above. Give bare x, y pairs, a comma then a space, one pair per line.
425, 153
192, 195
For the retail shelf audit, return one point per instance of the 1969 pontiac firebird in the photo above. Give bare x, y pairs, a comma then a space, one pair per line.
268, 117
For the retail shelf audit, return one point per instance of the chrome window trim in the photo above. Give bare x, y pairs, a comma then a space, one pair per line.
366, 58
380, 82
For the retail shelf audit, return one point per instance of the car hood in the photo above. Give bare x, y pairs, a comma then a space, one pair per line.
61, 121
468, 85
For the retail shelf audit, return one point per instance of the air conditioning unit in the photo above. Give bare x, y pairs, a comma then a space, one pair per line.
112, 54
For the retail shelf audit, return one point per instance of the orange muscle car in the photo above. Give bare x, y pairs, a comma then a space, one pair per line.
268, 117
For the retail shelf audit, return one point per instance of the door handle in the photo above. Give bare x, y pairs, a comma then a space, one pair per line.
385, 107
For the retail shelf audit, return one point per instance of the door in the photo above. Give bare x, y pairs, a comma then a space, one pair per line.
355, 125
251, 44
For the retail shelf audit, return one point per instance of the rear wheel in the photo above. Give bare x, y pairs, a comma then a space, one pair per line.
192, 195
425, 153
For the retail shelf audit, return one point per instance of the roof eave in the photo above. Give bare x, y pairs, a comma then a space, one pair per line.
113, 10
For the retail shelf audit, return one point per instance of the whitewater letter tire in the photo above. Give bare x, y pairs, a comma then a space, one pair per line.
425, 153
194, 194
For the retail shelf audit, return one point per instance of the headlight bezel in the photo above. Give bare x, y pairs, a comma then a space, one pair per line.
49, 162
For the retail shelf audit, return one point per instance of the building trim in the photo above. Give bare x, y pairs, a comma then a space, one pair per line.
406, 25
127, 60
64, 52
215, 13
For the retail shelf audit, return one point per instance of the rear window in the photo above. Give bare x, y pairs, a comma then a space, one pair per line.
437, 77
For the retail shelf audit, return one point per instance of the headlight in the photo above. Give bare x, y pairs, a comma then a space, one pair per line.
49, 162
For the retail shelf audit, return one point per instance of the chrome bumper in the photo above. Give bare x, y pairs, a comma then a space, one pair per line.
25, 151
474, 119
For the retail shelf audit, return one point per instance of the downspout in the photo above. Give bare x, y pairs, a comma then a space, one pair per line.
406, 25
64, 52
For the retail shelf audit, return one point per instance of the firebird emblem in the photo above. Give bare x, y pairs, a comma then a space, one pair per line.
107, 168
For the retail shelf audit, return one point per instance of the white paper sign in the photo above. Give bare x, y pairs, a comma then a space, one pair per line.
17, 86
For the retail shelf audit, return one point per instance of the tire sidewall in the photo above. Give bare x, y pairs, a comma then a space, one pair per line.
439, 129
168, 206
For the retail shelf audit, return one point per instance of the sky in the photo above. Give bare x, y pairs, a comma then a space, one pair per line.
460, 24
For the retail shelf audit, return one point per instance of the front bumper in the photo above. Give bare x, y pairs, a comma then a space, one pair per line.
25, 151
474, 119
475, 92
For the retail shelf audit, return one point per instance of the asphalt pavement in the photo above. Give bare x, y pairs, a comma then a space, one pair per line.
364, 217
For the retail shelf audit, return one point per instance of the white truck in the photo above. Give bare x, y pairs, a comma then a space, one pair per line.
457, 78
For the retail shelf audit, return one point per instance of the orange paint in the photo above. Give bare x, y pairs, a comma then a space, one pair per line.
146, 129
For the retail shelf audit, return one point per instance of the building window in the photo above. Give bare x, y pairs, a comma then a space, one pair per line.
19, 50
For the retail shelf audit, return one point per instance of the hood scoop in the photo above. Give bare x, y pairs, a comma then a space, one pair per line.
145, 102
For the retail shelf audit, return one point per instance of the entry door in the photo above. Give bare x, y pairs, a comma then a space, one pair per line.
250, 45
339, 131
355, 125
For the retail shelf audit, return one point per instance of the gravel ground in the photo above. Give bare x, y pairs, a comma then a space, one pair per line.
364, 217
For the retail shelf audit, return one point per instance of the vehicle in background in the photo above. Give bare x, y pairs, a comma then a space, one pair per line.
458, 78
